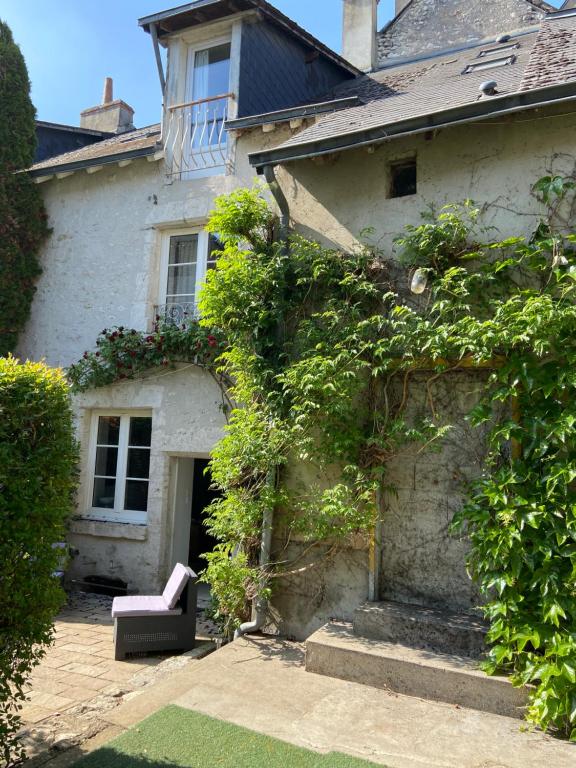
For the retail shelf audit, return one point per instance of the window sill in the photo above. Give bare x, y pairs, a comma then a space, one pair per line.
108, 529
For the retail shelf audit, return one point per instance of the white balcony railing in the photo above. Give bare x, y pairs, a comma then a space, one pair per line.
195, 135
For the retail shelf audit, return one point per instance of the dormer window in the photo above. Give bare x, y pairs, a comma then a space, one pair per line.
208, 72
196, 136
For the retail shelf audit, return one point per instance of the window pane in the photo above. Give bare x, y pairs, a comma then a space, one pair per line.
183, 249
212, 71
181, 280
108, 430
106, 461
136, 499
104, 490
138, 462
214, 248
140, 431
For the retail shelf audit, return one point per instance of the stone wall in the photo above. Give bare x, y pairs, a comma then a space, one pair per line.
422, 563
433, 25
494, 164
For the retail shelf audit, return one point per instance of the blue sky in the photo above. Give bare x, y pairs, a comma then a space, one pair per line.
71, 45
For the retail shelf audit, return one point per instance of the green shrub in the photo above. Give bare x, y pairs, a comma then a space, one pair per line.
37, 469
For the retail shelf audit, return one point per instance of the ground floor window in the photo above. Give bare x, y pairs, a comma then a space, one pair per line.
120, 466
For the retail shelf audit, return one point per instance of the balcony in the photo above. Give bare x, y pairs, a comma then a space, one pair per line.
196, 142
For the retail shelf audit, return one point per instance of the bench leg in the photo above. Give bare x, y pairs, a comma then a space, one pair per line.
119, 652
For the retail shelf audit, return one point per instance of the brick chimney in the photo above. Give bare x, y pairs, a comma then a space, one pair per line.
112, 116
359, 33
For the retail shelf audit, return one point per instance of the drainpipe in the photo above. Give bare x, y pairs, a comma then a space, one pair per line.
280, 197
260, 607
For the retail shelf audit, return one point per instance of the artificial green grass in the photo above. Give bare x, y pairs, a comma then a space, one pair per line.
181, 738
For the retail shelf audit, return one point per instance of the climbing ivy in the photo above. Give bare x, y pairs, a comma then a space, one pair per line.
317, 342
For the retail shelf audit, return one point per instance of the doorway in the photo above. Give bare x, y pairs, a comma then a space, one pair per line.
192, 496
200, 541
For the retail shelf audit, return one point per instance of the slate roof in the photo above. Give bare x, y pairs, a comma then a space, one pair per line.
139, 142
546, 56
553, 58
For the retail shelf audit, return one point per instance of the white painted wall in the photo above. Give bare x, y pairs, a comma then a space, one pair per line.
101, 269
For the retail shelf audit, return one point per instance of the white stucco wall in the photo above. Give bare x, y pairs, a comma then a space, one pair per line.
493, 163
187, 420
102, 269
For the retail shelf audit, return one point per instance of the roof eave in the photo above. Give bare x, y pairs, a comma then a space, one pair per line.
468, 113
292, 113
79, 165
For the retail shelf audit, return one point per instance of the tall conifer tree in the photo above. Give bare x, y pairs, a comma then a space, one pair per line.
23, 224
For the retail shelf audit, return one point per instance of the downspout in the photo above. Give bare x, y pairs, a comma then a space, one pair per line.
280, 197
260, 606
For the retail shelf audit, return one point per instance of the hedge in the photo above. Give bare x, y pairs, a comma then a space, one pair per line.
37, 474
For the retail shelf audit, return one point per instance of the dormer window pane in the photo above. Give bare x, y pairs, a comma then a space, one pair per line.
212, 72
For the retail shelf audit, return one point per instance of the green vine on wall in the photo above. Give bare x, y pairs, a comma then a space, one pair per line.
317, 342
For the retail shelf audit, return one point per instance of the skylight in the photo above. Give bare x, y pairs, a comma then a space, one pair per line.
491, 64
501, 49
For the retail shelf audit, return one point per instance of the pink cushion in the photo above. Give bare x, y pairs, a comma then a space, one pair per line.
176, 584
142, 605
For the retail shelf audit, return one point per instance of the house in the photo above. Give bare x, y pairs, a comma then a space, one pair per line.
482, 120
481, 112
128, 244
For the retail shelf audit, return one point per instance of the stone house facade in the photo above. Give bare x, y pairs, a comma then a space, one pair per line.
126, 209
128, 244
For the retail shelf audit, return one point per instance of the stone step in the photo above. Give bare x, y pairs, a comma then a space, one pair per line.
463, 634
335, 651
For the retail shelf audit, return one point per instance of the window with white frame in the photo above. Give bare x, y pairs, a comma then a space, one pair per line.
196, 137
120, 466
186, 258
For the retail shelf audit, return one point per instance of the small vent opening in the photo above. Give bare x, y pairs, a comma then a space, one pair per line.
403, 178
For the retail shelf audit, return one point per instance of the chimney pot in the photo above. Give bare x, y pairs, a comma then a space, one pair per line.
110, 116
359, 33
108, 93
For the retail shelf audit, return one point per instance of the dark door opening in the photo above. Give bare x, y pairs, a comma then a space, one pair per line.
202, 495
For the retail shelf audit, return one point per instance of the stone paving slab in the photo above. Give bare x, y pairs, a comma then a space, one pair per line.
79, 679
261, 683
